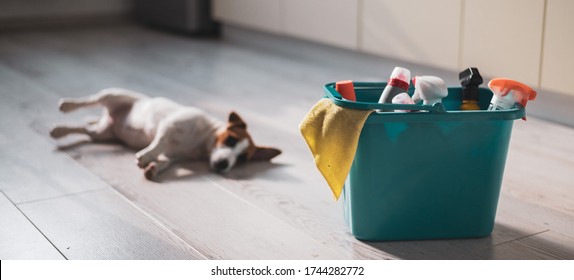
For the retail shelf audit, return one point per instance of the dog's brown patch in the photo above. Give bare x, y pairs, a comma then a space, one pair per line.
235, 132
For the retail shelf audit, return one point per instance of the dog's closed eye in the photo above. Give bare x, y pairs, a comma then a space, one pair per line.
230, 141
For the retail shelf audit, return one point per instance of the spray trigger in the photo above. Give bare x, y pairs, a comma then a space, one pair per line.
502, 87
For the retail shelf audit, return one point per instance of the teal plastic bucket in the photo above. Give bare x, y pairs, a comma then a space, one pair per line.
425, 175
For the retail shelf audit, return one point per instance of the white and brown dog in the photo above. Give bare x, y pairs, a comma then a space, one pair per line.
165, 131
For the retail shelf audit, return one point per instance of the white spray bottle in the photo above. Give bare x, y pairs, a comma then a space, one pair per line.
429, 89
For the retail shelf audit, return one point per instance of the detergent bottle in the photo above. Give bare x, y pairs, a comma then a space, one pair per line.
398, 83
470, 79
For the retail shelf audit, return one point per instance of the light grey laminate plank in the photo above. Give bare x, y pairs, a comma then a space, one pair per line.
528, 214
103, 225
32, 168
217, 223
548, 245
540, 165
19, 238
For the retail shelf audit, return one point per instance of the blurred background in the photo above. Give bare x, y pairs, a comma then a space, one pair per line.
526, 40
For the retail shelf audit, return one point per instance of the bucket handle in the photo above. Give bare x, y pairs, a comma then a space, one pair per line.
338, 100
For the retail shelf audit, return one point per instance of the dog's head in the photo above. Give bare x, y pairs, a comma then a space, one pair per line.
234, 146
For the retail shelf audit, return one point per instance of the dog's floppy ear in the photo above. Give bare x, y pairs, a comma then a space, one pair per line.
235, 120
265, 153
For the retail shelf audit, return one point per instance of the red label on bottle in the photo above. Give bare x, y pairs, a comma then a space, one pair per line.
399, 83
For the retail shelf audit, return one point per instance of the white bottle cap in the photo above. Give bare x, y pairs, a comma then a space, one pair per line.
402, 74
430, 89
402, 98
401, 77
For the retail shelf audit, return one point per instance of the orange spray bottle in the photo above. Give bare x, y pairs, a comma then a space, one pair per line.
507, 92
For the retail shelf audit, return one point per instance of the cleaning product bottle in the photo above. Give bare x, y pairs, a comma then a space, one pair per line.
470, 79
398, 83
402, 98
508, 92
429, 89
346, 89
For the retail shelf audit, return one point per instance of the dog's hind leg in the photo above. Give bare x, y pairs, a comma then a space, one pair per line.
111, 98
99, 131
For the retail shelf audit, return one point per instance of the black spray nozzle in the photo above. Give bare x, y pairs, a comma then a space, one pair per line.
470, 79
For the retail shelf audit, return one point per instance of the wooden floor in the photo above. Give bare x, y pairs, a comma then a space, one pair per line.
74, 200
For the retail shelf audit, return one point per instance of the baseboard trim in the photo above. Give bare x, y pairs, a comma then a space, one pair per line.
554, 107
35, 23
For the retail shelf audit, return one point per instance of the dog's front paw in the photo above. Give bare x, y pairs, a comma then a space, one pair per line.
150, 172
142, 159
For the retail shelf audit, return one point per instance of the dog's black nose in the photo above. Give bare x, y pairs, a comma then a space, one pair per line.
221, 165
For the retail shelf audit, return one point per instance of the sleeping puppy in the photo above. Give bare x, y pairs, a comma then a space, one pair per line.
165, 131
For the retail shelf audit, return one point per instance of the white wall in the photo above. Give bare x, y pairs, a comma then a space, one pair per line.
332, 22
412, 30
504, 38
527, 40
262, 15
557, 72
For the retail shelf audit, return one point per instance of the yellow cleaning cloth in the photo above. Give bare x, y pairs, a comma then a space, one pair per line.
332, 133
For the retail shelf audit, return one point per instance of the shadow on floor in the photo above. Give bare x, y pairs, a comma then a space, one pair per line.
454, 249
183, 170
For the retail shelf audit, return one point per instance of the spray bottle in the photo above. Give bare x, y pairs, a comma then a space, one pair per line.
402, 98
398, 83
470, 79
346, 89
508, 92
430, 89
